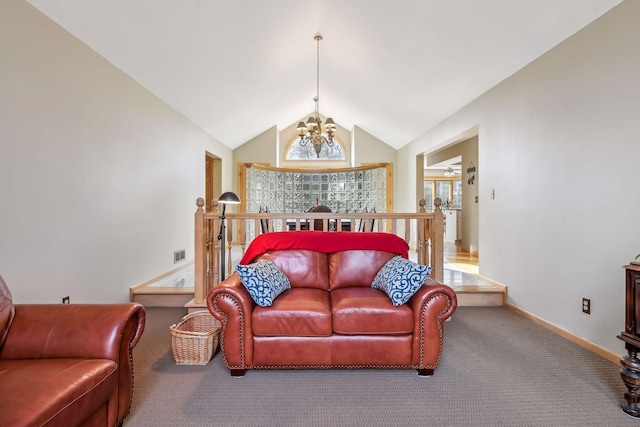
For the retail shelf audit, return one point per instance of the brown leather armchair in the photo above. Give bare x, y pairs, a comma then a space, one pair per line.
66, 364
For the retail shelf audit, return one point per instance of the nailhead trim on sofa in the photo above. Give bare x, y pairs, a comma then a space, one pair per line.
242, 348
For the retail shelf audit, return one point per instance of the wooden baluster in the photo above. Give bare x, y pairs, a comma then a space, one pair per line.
429, 232
420, 224
199, 253
422, 239
228, 269
407, 229
242, 233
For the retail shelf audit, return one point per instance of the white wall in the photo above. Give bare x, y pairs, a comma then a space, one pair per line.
369, 149
558, 142
261, 147
98, 177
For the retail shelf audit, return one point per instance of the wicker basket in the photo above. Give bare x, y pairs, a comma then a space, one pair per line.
195, 339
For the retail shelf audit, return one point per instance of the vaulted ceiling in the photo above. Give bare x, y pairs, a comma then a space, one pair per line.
395, 68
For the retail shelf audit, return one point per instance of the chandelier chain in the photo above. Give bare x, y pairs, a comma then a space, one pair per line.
318, 38
313, 131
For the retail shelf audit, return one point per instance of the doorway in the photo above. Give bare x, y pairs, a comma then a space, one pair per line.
212, 178
451, 173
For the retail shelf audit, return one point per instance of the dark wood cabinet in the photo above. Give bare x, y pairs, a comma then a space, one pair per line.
630, 364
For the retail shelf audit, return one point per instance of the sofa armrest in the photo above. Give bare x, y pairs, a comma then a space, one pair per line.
230, 303
432, 304
91, 331
85, 331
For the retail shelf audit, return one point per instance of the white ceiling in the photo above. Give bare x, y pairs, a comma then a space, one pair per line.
394, 68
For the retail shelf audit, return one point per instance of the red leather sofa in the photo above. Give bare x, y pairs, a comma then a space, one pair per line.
66, 364
331, 317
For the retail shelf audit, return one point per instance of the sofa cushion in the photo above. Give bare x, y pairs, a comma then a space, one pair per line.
355, 267
7, 311
304, 268
264, 281
301, 312
400, 279
59, 392
368, 311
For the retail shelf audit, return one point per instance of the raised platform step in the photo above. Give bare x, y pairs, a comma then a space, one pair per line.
175, 289
171, 289
481, 298
484, 298
485, 295
163, 300
471, 288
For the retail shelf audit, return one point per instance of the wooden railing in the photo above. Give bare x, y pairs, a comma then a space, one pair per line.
422, 230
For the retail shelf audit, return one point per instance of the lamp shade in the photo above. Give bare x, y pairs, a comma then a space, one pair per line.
229, 198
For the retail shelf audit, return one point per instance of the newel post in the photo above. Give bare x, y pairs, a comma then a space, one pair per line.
199, 254
437, 241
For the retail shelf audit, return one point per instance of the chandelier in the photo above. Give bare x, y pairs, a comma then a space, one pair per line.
312, 131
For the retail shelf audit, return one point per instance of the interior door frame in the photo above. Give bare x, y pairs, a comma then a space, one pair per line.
212, 179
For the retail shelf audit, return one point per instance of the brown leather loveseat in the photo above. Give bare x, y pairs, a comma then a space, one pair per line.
330, 317
66, 364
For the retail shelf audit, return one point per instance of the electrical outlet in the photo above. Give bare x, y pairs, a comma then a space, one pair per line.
66, 300
586, 305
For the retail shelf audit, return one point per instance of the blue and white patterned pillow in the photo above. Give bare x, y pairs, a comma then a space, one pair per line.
264, 281
400, 279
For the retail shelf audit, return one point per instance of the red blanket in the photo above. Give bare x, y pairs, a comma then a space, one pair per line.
325, 242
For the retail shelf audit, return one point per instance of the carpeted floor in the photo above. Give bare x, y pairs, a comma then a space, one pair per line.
498, 369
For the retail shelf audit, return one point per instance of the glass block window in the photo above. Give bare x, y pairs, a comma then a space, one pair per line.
361, 189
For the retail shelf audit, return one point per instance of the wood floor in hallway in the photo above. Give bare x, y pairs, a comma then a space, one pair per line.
461, 272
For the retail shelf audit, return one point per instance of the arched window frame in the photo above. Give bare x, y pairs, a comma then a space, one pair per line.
334, 162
